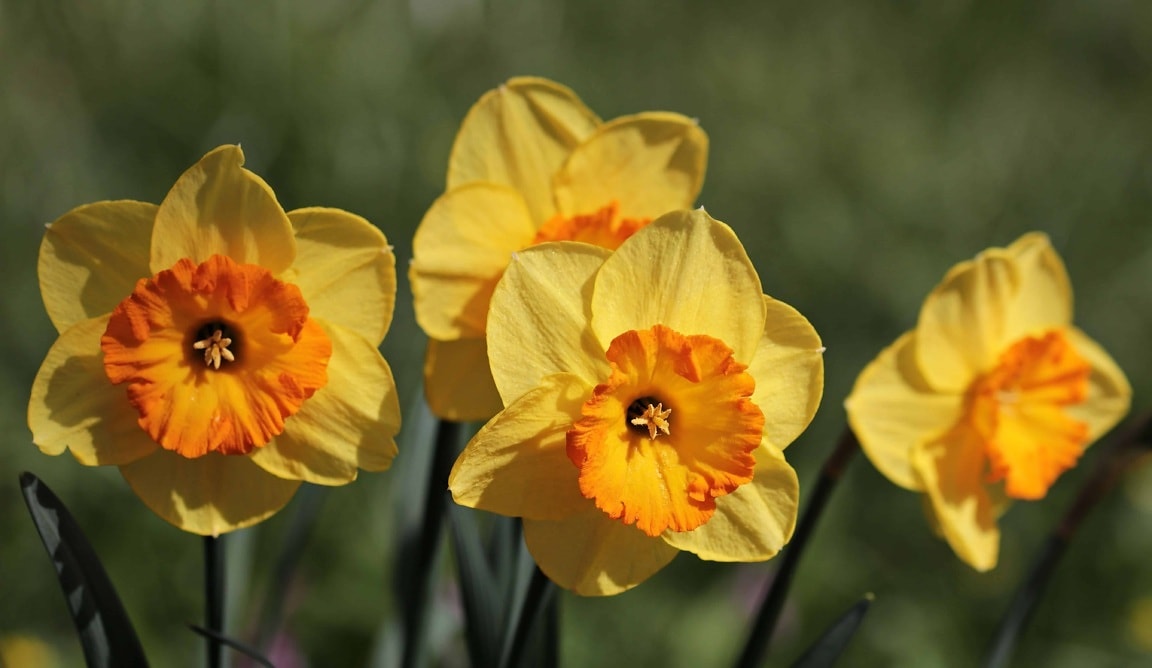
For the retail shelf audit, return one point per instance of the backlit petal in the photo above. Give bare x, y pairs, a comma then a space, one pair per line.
345, 269
1109, 394
517, 465
459, 253
75, 406
1044, 298
518, 135
789, 370
951, 471
668, 273
892, 409
594, 555
651, 163
753, 522
962, 326
348, 424
538, 323
91, 258
458, 383
209, 495
218, 207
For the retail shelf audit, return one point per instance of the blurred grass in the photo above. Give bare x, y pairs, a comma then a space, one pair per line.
860, 148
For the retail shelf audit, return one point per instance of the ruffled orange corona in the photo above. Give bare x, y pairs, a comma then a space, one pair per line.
216, 349
650, 393
993, 395
531, 164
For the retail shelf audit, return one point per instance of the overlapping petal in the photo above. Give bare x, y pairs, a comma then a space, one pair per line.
458, 382
788, 366
219, 208
651, 163
538, 324
594, 555
345, 269
1109, 394
518, 135
91, 257
669, 275
1044, 296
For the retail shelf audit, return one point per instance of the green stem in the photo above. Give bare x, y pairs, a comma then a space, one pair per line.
214, 597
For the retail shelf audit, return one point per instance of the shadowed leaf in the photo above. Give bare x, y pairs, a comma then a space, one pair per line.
835, 639
480, 590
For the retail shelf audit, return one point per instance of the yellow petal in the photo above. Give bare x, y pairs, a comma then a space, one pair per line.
91, 258
963, 322
348, 424
753, 522
593, 555
517, 465
345, 269
650, 163
1044, 298
209, 495
75, 406
892, 409
459, 253
458, 384
219, 208
1109, 394
538, 323
789, 370
518, 135
951, 471
688, 272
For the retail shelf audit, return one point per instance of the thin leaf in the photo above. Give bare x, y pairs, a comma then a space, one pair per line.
826, 650
480, 590
517, 634
247, 650
106, 633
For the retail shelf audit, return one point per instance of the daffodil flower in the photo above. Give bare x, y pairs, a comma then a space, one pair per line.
532, 164
991, 397
650, 394
216, 349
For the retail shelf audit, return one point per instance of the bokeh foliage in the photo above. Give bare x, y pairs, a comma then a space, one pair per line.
860, 148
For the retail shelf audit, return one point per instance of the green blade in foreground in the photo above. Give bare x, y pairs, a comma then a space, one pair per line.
825, 652
106, 633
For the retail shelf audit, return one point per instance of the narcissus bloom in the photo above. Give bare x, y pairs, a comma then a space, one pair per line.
991, 397
216, 349
532, 164
650, 393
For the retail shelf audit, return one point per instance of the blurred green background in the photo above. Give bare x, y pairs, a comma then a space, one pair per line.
859, 147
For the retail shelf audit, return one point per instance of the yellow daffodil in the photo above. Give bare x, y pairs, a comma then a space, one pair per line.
991, 397
650, 393
532, 164
216, 349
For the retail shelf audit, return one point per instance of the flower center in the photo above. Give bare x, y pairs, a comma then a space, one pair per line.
632, 464
1019, 408
603, 228
215, 356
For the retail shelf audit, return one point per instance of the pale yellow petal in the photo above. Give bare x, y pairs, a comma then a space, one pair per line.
460, 250
517, 465
209, 495
962, 327
91, 258
1109, 394
951, 471
219, 208
1044, 297
538, 323
349, 424
458, 383
789, 370
688, 272
345, 269
594, 555
518, 135
753, 522
651, 163
74, 406
892, 409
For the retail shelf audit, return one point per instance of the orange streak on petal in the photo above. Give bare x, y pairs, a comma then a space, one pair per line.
602, 228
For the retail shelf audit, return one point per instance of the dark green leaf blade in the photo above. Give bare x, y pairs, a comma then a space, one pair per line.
247, 650
479, 589
825, 651
106, 633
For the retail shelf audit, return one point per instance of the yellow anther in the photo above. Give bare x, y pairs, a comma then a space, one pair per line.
215, 348
656, 419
